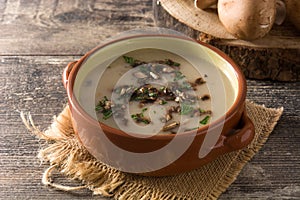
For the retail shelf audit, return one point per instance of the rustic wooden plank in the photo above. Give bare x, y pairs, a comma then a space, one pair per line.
33, 83
66, 27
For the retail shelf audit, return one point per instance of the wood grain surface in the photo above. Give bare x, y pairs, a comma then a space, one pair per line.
60, 27
39, 37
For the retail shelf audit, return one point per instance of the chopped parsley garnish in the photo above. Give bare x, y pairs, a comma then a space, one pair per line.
133, 62
129, 60
145, 93
139, 117
101, 104
205, 120
104, 106
171, 63
107, 114
134, 116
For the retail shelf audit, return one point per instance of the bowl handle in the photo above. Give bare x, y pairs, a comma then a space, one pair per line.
66, 73
239, 138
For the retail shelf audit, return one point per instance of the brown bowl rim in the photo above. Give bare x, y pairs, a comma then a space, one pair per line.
239, 101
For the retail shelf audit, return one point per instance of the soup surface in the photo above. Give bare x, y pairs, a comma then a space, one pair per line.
154, 91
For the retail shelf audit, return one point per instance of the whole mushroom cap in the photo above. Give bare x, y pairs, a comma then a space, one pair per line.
247, 19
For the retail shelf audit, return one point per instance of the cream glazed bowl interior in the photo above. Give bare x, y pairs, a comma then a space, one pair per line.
143, 148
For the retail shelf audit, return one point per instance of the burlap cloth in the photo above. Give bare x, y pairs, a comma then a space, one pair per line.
65, 154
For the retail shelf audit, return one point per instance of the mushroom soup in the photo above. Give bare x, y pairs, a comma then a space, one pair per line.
153, 91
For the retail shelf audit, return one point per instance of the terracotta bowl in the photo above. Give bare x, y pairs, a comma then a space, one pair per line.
161, 154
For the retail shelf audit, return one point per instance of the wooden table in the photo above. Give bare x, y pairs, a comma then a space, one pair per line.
39, 37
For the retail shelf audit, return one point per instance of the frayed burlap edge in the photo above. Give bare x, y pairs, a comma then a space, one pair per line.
65, 154
70, 158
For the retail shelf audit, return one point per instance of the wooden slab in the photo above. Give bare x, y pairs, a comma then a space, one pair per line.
275, 56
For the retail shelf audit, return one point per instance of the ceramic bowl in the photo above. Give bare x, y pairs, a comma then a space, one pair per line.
161, 154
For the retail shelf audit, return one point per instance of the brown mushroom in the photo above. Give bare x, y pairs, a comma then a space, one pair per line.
247, 19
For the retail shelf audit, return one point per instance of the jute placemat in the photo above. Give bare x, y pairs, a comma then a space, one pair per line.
65, 154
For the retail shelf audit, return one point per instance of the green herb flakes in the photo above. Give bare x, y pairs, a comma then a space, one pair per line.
129, 60
107, 114
134, 116
104, 106
139, 117
171, 63
205, 120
